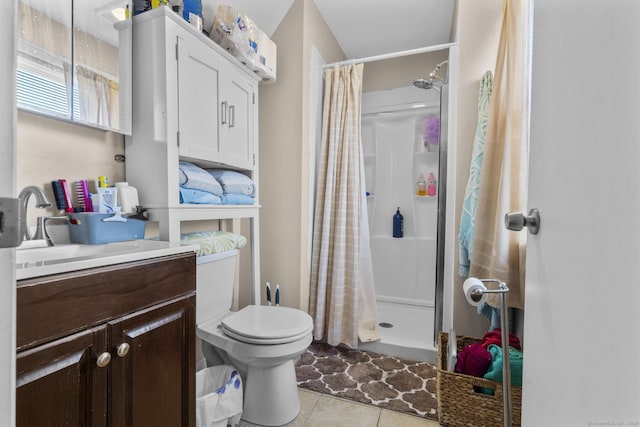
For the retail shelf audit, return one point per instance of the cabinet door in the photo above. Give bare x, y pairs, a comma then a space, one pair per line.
59, 383
153, 384
237, 127
198, 101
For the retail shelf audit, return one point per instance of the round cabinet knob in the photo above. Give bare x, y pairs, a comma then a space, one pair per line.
123, 349
104, 359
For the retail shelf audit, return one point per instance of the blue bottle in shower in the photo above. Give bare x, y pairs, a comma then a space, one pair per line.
398, 223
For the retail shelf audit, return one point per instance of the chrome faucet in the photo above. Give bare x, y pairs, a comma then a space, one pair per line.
41, 202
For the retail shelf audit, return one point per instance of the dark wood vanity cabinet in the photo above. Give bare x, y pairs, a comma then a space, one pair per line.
109, 346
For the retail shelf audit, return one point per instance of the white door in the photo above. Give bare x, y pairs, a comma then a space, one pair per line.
7, 189
582, 307
236, 133
198, 100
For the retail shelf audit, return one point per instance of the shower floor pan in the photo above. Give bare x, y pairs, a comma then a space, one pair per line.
410, 335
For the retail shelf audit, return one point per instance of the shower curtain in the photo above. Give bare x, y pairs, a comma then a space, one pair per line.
342, 297
497, 252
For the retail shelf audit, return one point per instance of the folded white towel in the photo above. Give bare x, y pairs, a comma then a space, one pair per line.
196, 178
234, 182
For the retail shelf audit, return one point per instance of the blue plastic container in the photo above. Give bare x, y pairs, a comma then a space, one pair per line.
191, 6
89, 228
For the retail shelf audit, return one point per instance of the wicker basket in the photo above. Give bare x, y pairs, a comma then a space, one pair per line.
459, 404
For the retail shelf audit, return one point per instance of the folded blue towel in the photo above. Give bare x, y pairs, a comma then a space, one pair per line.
234, 182
237, 199
195, 178
198, 197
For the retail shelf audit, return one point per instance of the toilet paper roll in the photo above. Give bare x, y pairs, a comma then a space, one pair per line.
470, 287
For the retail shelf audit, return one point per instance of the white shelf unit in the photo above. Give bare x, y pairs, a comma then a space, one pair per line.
192, 101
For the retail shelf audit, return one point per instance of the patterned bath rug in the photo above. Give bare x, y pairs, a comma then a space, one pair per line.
387, 382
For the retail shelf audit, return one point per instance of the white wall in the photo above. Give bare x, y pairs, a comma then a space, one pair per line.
478, 32
285, 150
51, 149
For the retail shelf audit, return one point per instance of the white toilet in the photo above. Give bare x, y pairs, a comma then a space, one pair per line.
262, 342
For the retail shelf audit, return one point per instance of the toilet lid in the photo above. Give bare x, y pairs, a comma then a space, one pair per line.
261, 324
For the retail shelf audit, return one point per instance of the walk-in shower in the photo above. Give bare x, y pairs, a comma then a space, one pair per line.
402, 137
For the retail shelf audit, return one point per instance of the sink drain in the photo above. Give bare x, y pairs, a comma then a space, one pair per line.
385, 325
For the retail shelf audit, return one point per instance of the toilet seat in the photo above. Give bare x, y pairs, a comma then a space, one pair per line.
265, 325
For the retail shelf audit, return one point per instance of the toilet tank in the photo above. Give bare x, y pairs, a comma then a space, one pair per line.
215, 276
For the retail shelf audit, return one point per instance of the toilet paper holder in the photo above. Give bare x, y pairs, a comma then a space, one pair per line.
476, 293
475, 289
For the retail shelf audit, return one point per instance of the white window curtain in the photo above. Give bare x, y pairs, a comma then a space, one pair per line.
497, 252
95, 93
342, 297
98, 97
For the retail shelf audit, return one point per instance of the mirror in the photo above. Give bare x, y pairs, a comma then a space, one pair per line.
74, 61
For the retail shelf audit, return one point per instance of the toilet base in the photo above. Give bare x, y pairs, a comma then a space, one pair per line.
271, 395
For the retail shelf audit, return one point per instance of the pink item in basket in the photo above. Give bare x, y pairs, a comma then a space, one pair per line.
474, 360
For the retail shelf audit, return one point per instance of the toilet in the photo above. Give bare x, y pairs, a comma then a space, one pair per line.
261, 342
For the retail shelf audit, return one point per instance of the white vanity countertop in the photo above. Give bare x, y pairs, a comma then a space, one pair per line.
35, 262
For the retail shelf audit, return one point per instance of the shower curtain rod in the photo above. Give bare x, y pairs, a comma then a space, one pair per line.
390, 55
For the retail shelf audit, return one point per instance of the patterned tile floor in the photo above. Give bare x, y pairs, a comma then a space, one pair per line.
319, 409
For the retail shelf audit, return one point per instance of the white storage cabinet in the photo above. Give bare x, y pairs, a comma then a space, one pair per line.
192, 101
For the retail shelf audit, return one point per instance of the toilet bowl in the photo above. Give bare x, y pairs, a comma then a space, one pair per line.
262, 342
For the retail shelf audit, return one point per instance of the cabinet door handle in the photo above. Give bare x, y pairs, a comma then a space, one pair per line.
223, 113
123, 349
232, 116
103, 360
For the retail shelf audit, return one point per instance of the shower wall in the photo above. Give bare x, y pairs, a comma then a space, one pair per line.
393, 128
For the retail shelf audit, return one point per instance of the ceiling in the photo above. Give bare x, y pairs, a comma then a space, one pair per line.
361, 27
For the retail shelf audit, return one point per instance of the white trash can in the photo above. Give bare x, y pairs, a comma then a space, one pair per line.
218, 396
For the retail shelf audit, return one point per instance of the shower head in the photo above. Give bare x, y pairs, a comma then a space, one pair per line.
423, 83
433, 80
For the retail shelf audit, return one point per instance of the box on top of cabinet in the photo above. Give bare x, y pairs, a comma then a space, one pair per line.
241, 37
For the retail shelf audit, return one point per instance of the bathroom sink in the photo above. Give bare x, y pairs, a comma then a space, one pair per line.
40, 261
64, 252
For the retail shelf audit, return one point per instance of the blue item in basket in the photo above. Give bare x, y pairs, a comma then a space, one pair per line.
90, 228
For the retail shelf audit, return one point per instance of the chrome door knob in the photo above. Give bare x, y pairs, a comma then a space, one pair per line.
516, 221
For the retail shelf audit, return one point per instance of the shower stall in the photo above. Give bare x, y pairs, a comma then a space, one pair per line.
404, 140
